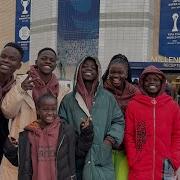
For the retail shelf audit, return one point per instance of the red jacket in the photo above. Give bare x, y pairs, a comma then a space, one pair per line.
152, 134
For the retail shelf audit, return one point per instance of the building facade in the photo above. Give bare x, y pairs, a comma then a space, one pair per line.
126, 27
129, 27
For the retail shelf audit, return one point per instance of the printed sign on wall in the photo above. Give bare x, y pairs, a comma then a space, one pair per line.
169, 37
22, 27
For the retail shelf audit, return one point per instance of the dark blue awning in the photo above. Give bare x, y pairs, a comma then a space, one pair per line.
138, 67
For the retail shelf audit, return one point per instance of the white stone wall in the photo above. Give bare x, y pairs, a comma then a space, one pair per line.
126, 28
43, 26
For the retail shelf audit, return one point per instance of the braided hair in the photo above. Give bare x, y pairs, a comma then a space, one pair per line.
120, 59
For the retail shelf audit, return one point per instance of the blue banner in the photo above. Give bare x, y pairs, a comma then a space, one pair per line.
22, 27
169, 35
78, 29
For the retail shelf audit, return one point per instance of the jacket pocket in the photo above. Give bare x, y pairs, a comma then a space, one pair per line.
140, 160
103, 155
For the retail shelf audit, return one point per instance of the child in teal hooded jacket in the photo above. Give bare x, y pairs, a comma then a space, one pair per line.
90, 100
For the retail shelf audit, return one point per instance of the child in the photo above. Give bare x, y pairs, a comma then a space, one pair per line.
152, 134
90, 99
117, 80
10, 61
47, 146
19, 103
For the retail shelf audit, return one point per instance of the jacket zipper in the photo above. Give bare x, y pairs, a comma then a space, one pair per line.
58, 150
154, 135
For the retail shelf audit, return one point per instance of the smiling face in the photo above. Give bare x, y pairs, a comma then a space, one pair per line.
89, 70
47, 110
10, 60
46, 62
118, 74
152, 84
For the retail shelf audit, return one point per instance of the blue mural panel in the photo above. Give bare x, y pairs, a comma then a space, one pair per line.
169, 35
78, 29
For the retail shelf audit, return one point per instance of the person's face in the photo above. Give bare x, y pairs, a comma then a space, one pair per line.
89, 70
152, 85
118, 74
47, 111
46, 62
10, 60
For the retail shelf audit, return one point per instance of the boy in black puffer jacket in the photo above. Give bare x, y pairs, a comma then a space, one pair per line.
48, 147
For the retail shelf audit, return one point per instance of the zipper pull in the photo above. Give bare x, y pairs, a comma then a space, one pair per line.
153, 101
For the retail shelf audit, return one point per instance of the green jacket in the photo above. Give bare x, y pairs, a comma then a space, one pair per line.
107, 119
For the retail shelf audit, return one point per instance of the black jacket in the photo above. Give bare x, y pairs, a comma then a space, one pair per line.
3, 133
69, 145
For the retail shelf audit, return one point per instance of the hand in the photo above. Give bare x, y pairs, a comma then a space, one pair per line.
27, 84
107, 143
13, 141
85, 123
178, 174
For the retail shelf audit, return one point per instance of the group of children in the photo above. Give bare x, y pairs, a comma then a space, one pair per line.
56, 135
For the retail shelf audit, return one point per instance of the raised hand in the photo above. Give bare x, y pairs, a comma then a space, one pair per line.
85, 123
28, 83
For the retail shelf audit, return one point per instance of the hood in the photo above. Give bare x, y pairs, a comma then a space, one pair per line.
122, 97
79, 85
35, 127
78, 68
152, 70
40, 87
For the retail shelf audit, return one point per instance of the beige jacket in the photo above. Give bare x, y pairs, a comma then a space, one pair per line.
19, 106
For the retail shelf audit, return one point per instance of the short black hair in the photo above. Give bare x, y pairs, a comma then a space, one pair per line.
46, 49
122, 59
16, 46
45, 96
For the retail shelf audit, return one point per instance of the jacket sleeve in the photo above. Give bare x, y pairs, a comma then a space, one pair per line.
12, 101
11, 152
130, 143
62, 110
117, 124
25, 164
72, 142
176, 138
